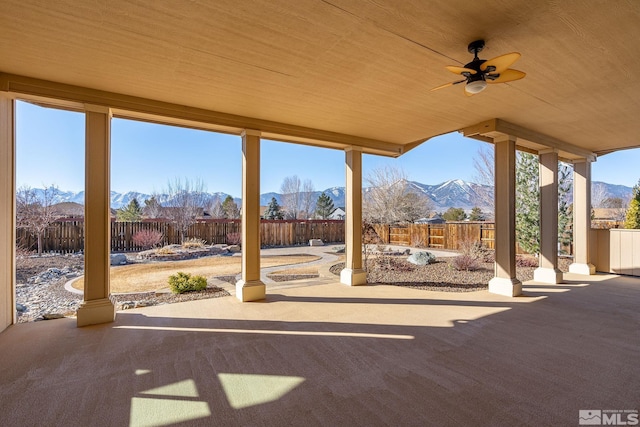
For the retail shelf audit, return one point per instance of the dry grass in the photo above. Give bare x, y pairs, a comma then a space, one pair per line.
155, 275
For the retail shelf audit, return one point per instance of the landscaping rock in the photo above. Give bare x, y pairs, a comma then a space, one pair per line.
118, 259
339, 249
177, 252
52, 316
21, 308
316, 242
127, 305
234, 248
422, 258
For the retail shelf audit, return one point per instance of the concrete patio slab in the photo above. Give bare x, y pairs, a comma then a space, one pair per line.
336, 355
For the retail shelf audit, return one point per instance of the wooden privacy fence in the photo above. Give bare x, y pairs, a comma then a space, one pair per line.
67, 235
444, 236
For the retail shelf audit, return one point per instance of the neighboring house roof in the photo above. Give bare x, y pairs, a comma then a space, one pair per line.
436, 219
69, 209
338, 213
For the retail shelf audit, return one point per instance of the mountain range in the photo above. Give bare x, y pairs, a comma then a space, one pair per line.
454, 193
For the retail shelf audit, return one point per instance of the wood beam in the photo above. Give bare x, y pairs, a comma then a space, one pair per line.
540, 138
495, 128
126, 106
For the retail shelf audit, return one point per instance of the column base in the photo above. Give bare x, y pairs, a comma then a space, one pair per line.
585, 269
506, 287
95, 312
253, 290
353, 277
547, 275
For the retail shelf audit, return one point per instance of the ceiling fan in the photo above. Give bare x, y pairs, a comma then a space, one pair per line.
479, 72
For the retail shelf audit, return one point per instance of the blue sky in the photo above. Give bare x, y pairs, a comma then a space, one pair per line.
144, 157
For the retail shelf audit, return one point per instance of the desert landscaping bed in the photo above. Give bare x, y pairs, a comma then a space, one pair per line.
439, 276
41, 293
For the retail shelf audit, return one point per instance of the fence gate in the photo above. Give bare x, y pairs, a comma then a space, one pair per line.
399, 236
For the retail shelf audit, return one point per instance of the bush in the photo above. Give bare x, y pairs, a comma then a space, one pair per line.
166, 250
193, 243
474, 249
465, 262
526, 261
184, 282
391, 263
147, 239
234, 238
418, 241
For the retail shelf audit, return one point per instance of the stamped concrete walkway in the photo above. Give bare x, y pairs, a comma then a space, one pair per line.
332, 355
328, 257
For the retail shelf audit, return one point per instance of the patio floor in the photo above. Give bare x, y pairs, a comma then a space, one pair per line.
333, 355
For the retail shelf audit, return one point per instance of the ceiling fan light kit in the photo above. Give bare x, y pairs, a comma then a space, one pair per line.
480, 72
476, 86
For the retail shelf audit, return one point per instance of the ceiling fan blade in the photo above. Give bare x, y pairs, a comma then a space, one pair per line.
460, 70
447, 85
507, 75
500, 63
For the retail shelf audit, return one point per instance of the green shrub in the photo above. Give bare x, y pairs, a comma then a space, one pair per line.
183, 282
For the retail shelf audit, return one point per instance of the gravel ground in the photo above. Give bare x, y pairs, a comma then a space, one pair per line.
46, 298
440, 276
30, 266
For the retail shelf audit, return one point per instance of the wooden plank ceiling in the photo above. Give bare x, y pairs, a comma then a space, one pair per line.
354, 68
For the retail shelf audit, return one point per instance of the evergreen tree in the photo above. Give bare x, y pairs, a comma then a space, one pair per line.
324, 206
476, 214
528, 203
273, 211
633, 211
565, 209
131, 213
454, 214
230, 207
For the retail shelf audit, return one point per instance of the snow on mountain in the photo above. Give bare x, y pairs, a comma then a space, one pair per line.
454, 193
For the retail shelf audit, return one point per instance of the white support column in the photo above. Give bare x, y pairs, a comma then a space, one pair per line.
7, 212
353, 274
581, 218
505, 281
97, 306
547, 271
250, 288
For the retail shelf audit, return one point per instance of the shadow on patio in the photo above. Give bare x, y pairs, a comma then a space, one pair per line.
333, 355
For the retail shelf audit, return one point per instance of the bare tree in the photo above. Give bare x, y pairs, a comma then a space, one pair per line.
186, 200
152, 208
308, 201
35, 211
599, 194
484, 166
391, 200
291, 196
214, 207
618, 207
